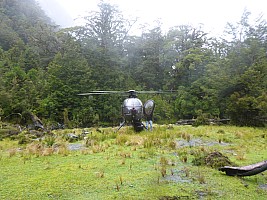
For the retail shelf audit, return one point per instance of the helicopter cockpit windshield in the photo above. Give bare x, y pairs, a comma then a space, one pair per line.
133, 102
131, 105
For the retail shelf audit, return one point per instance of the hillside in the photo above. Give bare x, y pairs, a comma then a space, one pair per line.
56, 12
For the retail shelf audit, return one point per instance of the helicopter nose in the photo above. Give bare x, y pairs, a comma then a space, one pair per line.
133, 111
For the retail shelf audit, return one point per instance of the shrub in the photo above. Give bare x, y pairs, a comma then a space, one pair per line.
49, 140
202, 119
23, 138
213, 159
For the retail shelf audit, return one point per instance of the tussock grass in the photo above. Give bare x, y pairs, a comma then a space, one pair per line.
129, 165
34, 148
12, 152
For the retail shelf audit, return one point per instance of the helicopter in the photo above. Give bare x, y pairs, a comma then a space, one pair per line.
132, 108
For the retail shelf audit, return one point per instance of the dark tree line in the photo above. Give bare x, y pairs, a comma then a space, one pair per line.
44, 67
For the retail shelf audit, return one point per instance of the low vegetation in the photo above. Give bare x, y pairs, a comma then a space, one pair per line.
43, 67
171, 162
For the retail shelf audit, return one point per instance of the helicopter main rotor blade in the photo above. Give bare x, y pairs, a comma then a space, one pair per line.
92, 93
99, 92
155, 92
105, 91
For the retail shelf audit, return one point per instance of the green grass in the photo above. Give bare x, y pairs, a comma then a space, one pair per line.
128, 165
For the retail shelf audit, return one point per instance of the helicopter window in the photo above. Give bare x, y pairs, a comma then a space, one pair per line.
132, 102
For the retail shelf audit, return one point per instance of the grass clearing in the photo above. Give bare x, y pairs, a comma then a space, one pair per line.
128, 165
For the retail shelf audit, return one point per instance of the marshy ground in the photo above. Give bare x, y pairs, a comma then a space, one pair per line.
171, 162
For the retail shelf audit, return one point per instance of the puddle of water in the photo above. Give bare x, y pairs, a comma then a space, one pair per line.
178, 176
201, 194
263, 186
75, 146
176, 179
198, 142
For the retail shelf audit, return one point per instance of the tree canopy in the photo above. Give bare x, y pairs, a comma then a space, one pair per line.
43, 67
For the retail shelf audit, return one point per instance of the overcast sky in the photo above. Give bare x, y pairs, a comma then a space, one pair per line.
213, 14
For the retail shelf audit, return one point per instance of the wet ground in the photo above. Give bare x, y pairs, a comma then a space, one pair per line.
178, 174
198, 142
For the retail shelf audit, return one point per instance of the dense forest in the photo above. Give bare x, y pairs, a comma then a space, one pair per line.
43, 67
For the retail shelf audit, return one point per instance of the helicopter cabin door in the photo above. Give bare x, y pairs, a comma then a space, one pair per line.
149, 109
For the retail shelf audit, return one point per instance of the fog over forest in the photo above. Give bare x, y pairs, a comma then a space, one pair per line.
211, 15
44, 66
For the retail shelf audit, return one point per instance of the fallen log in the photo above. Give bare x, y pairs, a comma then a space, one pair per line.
248, 170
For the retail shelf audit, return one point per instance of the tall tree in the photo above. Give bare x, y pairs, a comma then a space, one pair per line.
150, 70
185, 54
102, 38
245, 67
68, 74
